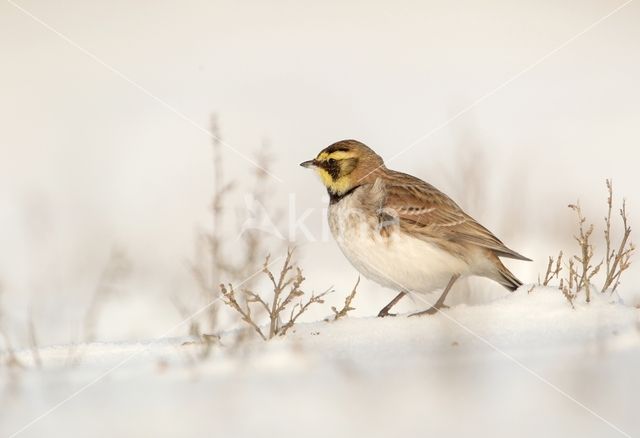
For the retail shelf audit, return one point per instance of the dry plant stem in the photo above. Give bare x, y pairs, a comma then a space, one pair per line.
277, 291
221, 190
210, 262
301, 308
286, 289
570, 289
617, 261
337, 314
568, 295
587, 271
607, 228
553, 269
230, 299
217, 267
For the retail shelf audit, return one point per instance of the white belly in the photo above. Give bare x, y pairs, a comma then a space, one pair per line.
397, 261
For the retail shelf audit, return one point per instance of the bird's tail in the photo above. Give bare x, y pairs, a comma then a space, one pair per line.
505, 277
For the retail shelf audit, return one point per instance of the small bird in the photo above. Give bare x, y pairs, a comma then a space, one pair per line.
402, 232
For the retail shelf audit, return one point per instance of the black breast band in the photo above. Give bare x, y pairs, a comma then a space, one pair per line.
334, 197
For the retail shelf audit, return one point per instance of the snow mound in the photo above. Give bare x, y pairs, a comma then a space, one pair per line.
526, 364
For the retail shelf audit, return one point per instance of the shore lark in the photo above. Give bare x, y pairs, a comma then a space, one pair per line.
402, 232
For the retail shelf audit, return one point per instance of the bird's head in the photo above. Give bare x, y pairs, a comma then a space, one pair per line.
345, 165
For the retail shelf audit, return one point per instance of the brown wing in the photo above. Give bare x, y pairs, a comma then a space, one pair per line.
423, 209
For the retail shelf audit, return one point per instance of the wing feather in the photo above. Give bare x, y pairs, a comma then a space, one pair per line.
427, 212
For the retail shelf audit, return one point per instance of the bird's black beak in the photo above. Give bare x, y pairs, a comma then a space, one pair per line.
308, 164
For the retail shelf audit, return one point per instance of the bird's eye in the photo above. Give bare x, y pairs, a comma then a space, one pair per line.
332, 161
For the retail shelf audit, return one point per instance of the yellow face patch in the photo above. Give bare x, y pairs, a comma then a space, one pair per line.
334, 169
324, 176
341, 185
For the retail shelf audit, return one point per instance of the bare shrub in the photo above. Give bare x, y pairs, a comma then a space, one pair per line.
219, 262
286, 297
212, 263
581, 269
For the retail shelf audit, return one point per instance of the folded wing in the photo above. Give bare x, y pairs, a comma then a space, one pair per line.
428, 213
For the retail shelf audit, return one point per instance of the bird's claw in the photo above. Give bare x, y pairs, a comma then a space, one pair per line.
384, 312
431, 310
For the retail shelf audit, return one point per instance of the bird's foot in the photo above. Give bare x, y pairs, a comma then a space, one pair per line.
431, 310
385, 312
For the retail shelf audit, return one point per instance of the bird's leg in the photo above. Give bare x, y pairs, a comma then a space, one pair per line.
385, 310
440, 303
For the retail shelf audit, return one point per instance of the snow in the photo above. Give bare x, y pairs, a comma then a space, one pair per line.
525, 364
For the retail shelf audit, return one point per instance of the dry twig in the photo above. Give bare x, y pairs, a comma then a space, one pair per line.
286, 290
230, 300
337, 314
616, 261
554, 266
587, 270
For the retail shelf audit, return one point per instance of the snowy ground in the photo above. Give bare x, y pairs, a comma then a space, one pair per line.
526, 364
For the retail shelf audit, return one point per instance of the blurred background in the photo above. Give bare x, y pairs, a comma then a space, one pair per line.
105, 105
